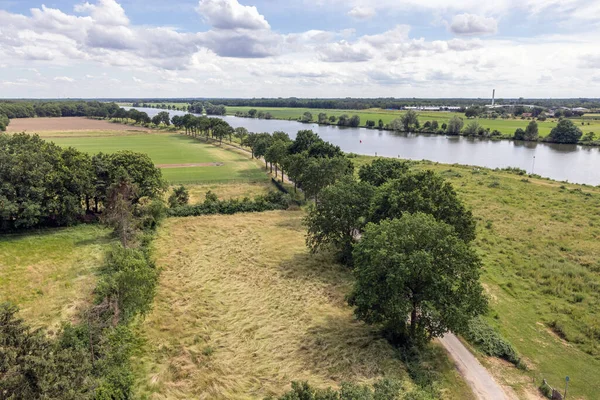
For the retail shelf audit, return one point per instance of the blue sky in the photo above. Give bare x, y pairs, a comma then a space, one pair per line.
304, 48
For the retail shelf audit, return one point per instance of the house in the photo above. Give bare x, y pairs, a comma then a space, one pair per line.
526, 115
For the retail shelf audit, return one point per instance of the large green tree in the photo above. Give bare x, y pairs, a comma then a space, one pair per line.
382, 170
321, 172
417, 278
338, 217
454, 126
427, 192
565, 132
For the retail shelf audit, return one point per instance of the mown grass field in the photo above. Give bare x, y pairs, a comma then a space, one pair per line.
539, 243
50, 273
243, 309
507, 126
174, 148
226, 191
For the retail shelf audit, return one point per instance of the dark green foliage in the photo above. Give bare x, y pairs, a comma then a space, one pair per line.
418, 267
427, 192
4, 121
127, 283
179, 197
519, 134
386, 389
454, 126
318, 173
46, 185
489, 341
382, 170
532, 131
565, 132
339, 216
271, 201
33, 366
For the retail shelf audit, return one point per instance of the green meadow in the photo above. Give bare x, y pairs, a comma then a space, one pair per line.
175, 149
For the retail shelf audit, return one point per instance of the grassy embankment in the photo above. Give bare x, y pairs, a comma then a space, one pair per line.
539, 243
50, 274
507, 126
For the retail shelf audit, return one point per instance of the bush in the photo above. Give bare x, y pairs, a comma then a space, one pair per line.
271, 201
179, 197
385, 389
490, 342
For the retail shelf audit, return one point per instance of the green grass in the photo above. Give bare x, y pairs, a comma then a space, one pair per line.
176, 149
539, 243
507, 126
49, 273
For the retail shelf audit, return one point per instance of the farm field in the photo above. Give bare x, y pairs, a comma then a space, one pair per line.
68, 125
243, 309
507, 126
177, 150
50, 273
539, 243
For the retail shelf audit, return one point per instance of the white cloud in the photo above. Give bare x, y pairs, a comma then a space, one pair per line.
137, 80
64, 79
105, 12
343, 51
359, 12
470, 24
230, 14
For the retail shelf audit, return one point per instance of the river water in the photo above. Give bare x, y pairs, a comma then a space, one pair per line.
572, 163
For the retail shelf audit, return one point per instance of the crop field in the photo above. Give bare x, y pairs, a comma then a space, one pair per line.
175, 150
243, 309
68, 125
51, 273
507, 126
539, 244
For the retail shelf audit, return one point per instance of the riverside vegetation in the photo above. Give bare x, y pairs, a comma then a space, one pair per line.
541, 362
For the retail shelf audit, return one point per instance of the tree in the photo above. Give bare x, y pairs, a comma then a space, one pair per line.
423, 191
222, 130
34, 366
276, 153
304, 139
472, 112
322, 172
473, 128
454, 126
532, 132
382, 170
410, 121
434, 126
252, 112
261, 145
179, 197
294, 165
118, 212
416, 267
322, 118
164, 118
354, 121
338, 217
241, 133
156, 120
332, 119
380, 124
306, 117
565, 132
519, 134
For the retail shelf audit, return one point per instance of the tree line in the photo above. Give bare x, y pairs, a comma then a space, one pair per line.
46, 185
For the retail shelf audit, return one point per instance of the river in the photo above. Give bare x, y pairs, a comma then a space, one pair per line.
572, 163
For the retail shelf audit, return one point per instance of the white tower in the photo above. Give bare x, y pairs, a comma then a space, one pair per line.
493, 96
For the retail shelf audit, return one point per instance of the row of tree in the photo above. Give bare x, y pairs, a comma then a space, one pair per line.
407, 235
46, 185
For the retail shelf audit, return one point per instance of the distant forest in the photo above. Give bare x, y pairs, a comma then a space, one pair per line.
384, 103
359, 103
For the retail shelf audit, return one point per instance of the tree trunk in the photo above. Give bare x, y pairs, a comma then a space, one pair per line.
413, 320
271, 164
266, 165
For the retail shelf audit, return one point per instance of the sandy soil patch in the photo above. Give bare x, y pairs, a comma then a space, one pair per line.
33, 125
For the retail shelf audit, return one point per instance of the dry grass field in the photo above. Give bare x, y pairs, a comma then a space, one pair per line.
67, 125
243, 309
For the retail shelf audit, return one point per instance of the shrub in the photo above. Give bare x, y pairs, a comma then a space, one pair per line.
212, 205
385, 389
179, 197
490, 342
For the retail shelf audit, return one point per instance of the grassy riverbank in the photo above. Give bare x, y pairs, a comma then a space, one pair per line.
539, 243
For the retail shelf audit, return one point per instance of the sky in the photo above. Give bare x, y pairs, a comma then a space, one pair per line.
301, 48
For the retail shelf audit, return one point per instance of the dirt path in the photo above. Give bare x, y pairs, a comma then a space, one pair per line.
482, 383
209, 164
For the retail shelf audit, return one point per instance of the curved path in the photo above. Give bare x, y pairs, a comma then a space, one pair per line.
478, 378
